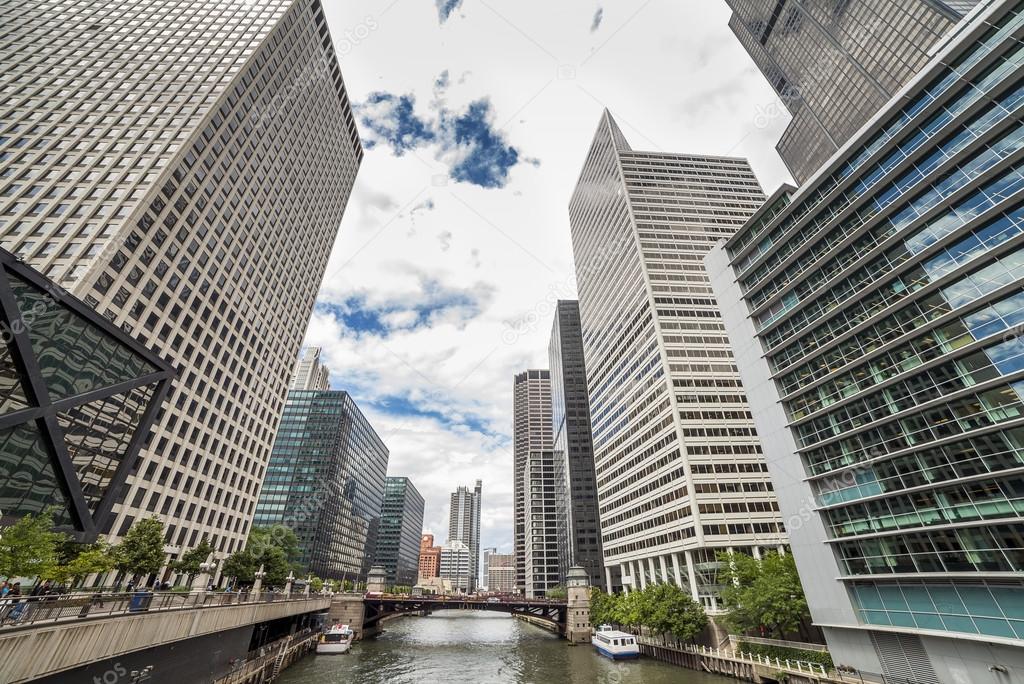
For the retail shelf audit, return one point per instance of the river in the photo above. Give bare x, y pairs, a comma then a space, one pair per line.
456, 647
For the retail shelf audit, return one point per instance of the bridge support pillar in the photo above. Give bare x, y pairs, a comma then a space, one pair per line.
377, 580
349, 609
577, 614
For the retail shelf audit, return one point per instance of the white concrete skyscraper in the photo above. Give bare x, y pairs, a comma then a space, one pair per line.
464, 526
183, 167
535, 490
680, 473
310, 373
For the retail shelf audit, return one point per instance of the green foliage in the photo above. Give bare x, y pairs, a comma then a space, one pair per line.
762, 594
347, 585
673, 611
29, 547
316, 584
784, 653
602, 607
141, 552
275, 548
556, 592
84, 561
189, 563
401, 589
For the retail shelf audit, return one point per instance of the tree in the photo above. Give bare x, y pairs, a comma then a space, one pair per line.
634, 609
316, 584
190, 561
141, 552
556, 592
673, 611
81, 560
603, 607
28, 548
271, 547
763, 596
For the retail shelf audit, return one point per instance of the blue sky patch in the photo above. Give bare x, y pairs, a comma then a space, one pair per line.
391, 119
445, 8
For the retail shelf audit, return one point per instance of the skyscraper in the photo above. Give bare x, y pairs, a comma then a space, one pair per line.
401, 528
455, 561
310, 373
183, 169
501, 573
573, 446
877, 320
834, 64
487, 553
680, 472
326, 482
538, 527
464, 526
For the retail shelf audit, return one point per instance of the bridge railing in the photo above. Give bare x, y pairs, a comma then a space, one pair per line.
18, 611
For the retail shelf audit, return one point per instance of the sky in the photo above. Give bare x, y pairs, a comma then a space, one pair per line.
476, 116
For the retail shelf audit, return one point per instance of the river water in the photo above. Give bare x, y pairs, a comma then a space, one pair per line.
456, 647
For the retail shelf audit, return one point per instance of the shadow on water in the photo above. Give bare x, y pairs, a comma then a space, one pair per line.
456, 647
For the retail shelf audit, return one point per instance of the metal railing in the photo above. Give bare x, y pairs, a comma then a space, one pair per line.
18, 611
795, 666
735, 639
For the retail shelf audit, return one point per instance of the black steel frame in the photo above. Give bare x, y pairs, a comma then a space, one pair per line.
44, 410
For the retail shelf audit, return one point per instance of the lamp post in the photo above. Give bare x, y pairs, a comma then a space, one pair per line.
257, 586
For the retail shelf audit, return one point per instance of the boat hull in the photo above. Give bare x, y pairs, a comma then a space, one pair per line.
332, 649
624, 655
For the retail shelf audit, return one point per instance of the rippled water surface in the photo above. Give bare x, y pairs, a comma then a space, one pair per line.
451, 647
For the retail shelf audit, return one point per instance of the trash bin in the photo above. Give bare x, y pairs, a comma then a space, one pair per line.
140, 601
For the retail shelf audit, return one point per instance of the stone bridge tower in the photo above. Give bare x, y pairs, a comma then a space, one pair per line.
577, 614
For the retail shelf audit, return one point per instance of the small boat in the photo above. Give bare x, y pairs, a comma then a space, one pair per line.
614, 644
337, 639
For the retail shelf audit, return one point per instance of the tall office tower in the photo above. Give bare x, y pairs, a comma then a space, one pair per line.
430, 557
183, 168
834, 64
464, 525
310, 373
680, 472
538, 526
877, 323
326, 482
580, 532
456, 559
401, 529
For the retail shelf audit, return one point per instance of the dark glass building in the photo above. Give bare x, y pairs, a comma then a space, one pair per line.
580, 534
877, 323
401, 526
77, 398
834, 64
325, 481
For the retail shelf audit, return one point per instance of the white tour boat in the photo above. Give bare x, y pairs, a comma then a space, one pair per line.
614, 644
337, 639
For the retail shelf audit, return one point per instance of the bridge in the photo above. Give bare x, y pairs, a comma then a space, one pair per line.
552, 612
179, 637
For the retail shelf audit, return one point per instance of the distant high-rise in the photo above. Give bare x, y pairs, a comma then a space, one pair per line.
680, 472
456, 559
326, 482
537, 525
310, 373
876, 315
501, 573
576, 497
430, 557
401, 528
182, 168
464, 526
487, 553
834, 64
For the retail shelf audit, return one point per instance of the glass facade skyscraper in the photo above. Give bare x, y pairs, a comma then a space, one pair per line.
77, 395
835, 63
326, 482
580, 527
680, 472
182, 167
877, 322
401, 527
